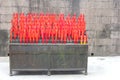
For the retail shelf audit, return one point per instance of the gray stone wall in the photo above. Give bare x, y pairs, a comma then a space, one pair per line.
102, 17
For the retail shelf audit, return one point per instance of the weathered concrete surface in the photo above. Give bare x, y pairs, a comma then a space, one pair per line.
102, 17
4, 42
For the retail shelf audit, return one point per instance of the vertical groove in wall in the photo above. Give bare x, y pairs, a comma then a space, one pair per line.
29, 5
38, 3
76, 7
17, 6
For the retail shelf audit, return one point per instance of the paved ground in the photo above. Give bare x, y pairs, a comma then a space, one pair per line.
99, 68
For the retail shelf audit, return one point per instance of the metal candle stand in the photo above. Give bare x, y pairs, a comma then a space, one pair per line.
41, 56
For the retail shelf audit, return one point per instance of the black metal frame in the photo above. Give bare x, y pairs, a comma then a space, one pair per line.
51, 52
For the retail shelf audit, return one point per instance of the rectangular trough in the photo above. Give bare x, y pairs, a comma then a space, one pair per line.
48, 57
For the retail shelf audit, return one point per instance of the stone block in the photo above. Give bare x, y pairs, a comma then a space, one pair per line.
107, 4
24, 10
115, 34
97, 12
4, 50
84, 4
91, 4
106, 20
61, 3
118, 49
99, 49
103, 50
98, 27
83, 11
4, 40
20, 2
91, 34
90, 27
91, 42
113, 27
6, 3
6, 17
95, 4
116, 12
87, 12
33, 3
103, 42
4, 37
105, 33
109, 12
8, 10
109, 51
95, 26
114, 20
5, 26
115, 41
116, 3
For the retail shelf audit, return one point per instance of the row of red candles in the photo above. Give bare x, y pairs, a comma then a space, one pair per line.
33, 27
